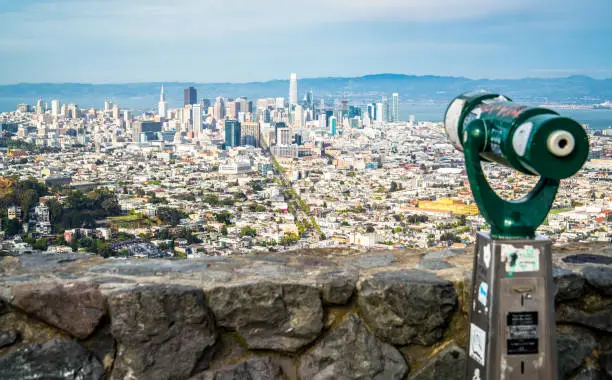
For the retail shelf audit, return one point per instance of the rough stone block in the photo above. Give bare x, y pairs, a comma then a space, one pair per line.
407, 306
267, 315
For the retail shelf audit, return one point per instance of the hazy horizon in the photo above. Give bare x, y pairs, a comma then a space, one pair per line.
306, 78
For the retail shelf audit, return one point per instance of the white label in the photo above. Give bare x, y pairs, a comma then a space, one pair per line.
478, 341
476, 374
483, 291
525, 259
521, 137
451, 122
486, 255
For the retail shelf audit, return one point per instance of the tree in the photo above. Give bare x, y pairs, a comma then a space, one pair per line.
11, 226
370, 229
40, 244
248, 231
394, 186
224, 230
170, 215
289, 239
224, 217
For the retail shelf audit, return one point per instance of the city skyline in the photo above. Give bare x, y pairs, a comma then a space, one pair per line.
358, 38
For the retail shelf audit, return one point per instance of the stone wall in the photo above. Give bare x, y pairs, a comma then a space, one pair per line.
318, 314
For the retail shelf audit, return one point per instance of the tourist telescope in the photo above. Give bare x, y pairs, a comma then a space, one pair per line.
512, 321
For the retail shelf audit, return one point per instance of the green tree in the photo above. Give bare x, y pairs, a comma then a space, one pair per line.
248, 231
40, 244
289, 239
394, 186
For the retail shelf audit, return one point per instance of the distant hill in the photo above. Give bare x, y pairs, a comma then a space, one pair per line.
438, 89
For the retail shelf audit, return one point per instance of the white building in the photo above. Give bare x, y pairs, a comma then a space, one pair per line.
293, 90
163, 105
196, 110
55, 107
395, 107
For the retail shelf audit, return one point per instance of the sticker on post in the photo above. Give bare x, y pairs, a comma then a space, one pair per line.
525, 259
483, 291
486, 255
478, 342
476, 374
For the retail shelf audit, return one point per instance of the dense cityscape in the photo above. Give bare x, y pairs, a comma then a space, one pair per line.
230, 176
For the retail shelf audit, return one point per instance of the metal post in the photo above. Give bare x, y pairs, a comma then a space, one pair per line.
512, 321
512, 324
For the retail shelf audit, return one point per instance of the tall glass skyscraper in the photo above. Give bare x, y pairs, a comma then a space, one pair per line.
190, 96
395, 108
293, 90
232, 133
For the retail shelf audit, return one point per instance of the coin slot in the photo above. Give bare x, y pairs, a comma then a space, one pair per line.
522, 368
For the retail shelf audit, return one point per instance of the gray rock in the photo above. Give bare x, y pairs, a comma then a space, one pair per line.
598, 320
448, 364
434, 264
407, 306
605, 358
372, 260
443, 254
162, 331
258, 368
102, 345
600, 278
56, 359
45, 263
149, 267
7, 338
273, 316
574, 344
265, 269
75, 307
352, 352
569, 285
588, 374
337, 285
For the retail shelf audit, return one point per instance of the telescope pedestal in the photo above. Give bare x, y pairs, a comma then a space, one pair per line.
512, 315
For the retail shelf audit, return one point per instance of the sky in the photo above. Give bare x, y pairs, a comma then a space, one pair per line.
123, 41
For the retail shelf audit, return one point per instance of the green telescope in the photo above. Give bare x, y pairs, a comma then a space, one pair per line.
532, 140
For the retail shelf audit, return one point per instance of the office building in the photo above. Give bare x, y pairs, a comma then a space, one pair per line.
196, 111
232, 133
145, 130
163, 105
219, 109
283, 136
116, 115
333, 126
250, 133
190, 96
55, 107
395, 108
385, 109
39, 106
293, 90
298, 117
233, 110
127, 115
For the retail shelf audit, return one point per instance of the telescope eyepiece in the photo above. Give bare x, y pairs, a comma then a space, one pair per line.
561, 143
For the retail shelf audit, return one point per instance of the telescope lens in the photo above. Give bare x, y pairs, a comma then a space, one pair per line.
561, 143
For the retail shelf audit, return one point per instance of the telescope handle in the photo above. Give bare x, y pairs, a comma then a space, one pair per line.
509, 219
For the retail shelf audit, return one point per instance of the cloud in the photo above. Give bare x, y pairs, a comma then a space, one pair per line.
166, 20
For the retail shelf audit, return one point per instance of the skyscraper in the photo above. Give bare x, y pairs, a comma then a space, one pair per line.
250, 133
219, 109
196, 110
55, 107
385, 109
293, 90
163, 105
232, 133
395, 108
298, 117
116, 115
190, 96
333, 125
